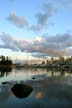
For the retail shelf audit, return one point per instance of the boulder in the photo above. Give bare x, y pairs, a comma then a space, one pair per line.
6, 82
21, 90
33, 78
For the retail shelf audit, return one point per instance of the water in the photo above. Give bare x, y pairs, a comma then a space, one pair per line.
51, 88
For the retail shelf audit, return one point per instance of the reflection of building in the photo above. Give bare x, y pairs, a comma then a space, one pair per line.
46, 62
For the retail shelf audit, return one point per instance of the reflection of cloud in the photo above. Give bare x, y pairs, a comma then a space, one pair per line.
59, 45
39, 95
17, 20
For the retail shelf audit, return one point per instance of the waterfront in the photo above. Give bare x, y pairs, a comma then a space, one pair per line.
51, 89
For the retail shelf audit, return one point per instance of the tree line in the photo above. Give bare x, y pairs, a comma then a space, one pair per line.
5, 61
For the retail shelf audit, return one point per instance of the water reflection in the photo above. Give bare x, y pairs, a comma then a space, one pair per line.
52, 93
52, 88
4, 93
5, 71
7, 74
59, 72
35, 74
44, 73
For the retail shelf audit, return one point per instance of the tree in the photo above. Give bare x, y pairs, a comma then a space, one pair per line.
5, 61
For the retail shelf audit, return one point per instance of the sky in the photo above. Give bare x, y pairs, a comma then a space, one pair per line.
41, 28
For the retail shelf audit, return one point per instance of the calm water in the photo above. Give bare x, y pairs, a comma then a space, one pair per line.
51, 88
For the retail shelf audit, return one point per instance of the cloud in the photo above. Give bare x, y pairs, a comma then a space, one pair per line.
8, 42
40, 55
42, 19
36, 28
48, 10
58, 45
17, 20
14, 44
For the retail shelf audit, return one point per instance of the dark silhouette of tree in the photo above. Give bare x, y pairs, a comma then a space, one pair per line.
5, 61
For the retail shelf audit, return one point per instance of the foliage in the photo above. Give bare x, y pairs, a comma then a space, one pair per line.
5, 61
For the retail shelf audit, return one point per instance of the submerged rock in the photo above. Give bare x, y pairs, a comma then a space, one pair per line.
33, 78
21, 90
6, 82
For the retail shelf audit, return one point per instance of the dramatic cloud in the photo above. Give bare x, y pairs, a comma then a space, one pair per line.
43, 17
17, 20
59, 45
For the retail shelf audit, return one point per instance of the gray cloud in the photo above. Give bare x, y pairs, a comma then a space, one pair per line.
42, 19
17, 20
48, 10
59, 45
36, 28
8, 42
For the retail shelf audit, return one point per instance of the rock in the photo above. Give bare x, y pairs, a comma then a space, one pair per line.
33, 78
6, 82
21, 90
